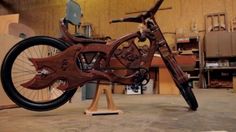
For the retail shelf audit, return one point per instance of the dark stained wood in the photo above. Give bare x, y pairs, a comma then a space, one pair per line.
63, 66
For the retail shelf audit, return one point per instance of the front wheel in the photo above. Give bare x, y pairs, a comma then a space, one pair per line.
17, 69
184, 87
188, 95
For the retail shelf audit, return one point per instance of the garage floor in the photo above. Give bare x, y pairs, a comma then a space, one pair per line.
146, 113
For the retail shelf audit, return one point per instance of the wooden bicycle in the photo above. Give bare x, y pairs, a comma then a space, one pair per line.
38, 66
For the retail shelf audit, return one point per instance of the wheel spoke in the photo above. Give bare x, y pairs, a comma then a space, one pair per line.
20, 68
25, 62
23, 71
35, 51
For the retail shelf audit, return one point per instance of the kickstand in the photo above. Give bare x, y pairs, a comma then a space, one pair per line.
111, 108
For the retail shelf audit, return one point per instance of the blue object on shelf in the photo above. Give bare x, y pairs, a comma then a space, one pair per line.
73, 12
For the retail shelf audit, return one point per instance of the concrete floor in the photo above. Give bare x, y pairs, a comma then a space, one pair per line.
145, 113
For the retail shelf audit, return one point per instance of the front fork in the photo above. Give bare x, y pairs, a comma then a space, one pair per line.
168, 57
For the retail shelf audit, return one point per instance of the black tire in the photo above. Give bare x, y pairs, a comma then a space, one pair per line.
17, 95
187, 93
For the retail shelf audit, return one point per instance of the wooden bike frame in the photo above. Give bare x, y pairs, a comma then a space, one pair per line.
87, 60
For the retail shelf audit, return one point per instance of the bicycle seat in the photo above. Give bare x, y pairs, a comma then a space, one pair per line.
68, 37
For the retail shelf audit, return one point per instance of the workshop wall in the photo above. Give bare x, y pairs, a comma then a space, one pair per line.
181, 17
43, 15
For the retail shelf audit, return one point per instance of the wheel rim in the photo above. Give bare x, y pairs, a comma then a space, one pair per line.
23, 71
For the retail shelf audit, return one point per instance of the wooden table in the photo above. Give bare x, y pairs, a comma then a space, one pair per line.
165, 84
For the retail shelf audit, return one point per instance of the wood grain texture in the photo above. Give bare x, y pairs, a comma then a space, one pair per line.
234, 84
43, 15
7, 41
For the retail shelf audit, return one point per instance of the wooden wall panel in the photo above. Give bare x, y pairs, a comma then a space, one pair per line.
212, 6
5, 22
99, 13
3, 10
166, 83
7, 41
43, 15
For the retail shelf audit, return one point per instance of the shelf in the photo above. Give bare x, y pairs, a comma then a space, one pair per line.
191, 51
187, 39
182, 40
220, 68
219, 77
195, 50
190, 46
194, 77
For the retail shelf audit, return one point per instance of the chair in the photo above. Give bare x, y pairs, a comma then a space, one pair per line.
73, 14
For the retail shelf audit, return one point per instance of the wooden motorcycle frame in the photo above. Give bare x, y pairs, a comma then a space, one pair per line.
120, 61
134, 59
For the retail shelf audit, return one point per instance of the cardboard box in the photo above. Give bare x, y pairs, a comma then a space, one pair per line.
118, 89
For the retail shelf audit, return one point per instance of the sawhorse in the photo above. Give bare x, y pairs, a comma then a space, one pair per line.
111, 108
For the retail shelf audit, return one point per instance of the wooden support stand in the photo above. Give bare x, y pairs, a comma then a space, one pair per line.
111, 108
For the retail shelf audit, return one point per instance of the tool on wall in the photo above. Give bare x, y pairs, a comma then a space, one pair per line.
216, 22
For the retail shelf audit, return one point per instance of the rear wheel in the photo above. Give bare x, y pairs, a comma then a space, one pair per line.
17, 69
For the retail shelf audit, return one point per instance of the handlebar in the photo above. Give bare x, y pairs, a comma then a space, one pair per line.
128, 19
116, 20
140, 18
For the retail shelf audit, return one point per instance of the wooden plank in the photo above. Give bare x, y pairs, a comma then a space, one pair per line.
234, 84
7, 41
100, 12
6, 20
166, 83
17, 29
119, 89
103, 112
